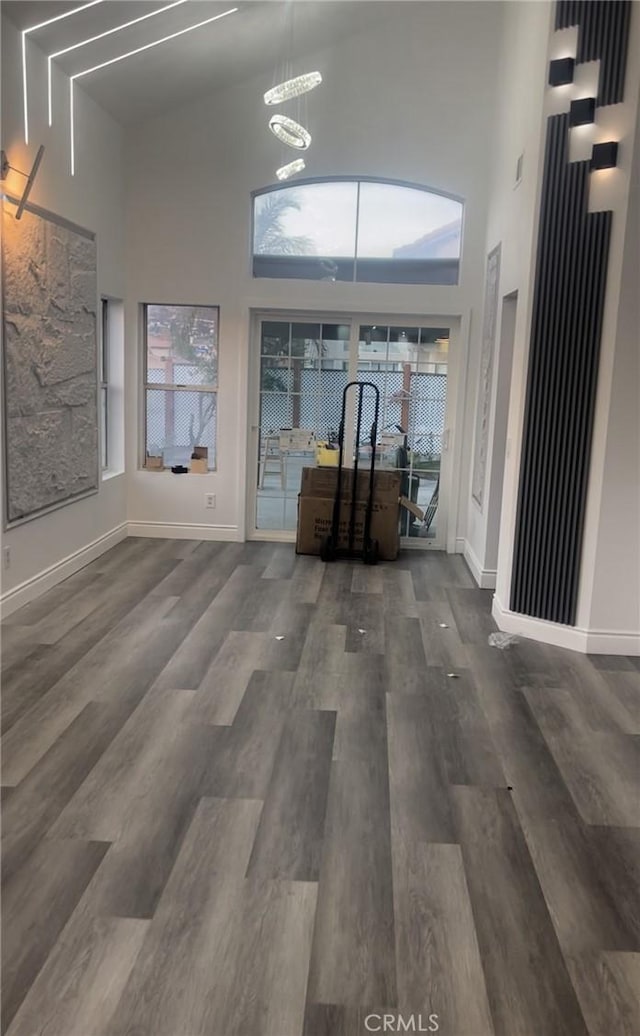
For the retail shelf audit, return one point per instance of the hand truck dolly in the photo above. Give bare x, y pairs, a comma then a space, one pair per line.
330, 550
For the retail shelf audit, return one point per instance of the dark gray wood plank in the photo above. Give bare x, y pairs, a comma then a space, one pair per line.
78, 989
77, 607
17, 643
608, 987
246, 751
141, 796
472, 614
38, 609
600, 770
116, 671
617, 850
439, 967
398, 593
403, 642
528, 985
461, 729
353, 960
188, 937
338, 1020
36, 905
440, 636
419, 786
290, 836
529, 767
282, 564
586, 916
40, 798
254, 937
24, 683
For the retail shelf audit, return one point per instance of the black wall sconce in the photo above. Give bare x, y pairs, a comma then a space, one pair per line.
561, 71
582, 111
604, 156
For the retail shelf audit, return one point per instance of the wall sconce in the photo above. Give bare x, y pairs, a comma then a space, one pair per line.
561, 71
582, 111
604, 156
5, 167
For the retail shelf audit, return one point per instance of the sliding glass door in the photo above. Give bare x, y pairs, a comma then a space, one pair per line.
300, 369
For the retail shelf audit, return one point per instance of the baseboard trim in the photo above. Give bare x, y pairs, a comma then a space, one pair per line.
50, 577
588, 641
484, 577
184, 531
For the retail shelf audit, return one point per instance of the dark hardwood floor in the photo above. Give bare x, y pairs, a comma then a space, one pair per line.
247, 794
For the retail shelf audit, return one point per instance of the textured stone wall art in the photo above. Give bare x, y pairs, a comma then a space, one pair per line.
483, 409
50, 363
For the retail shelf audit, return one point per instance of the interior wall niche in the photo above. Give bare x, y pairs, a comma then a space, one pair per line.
483, 408
49, 363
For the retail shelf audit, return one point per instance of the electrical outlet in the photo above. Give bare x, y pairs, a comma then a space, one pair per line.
209, 500
6, 557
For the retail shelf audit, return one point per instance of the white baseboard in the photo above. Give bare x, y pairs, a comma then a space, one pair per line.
43, 581
484, 577
184, 531
588, 641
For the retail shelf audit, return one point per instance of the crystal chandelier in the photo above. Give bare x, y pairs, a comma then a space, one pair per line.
290, 132
285, 171
292, 88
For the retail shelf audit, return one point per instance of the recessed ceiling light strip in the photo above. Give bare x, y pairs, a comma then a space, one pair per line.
129, 54
72, 133
93, 39
156, 43
33, 28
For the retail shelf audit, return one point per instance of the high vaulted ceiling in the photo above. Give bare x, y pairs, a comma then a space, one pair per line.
257, 38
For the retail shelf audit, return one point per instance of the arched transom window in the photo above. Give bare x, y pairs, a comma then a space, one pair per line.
357, 230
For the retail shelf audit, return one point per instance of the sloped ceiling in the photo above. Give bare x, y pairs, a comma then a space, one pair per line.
259, 37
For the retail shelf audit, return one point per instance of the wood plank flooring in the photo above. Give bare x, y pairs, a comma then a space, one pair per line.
244, 795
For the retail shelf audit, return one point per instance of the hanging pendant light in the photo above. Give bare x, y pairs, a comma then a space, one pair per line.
286, 171
290, 132
293, 88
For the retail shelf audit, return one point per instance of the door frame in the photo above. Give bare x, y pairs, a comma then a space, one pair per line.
446, 538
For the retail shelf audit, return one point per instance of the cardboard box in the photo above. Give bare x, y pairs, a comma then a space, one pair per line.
199, 463
315, 517
297, 439
154, 463
322, 482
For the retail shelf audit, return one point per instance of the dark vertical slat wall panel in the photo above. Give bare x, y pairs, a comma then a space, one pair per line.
566, 327
603, 34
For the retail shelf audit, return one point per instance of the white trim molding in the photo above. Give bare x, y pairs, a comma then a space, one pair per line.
484, 577
184, 531
588, 641
43, 581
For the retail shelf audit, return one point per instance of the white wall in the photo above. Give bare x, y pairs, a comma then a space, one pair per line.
412, 99
607, 611
92, 199
511, 223
615, 598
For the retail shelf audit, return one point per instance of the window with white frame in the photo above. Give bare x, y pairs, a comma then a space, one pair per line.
180, 382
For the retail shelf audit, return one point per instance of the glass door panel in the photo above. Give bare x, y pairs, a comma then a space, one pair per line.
409, 366
304, 368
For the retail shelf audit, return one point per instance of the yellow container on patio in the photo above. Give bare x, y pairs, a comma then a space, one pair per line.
326, 458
